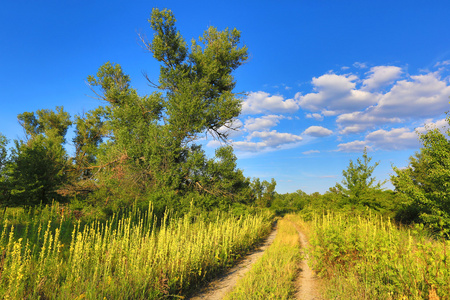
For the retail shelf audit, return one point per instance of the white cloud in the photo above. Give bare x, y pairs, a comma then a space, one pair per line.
355, 146
318, 131
357, 122
422, 97
358, 104
233, 128
263, 123
442, 125
336, 94
315, 116
269, 140
262, 102
394, 139
418, 97
380, 76
310, 152
246, 146
274, 138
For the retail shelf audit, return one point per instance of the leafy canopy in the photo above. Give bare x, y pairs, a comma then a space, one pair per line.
358, 180
426, 182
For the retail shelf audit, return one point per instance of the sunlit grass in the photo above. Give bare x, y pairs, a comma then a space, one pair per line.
370, 258
127, 257
272, 277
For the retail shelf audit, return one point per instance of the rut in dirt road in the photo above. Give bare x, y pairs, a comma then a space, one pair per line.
307, 282
217, 289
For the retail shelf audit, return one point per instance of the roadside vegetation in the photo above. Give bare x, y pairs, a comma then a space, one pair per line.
127, 257
371, 258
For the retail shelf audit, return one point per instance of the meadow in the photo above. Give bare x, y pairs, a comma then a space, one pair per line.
129, 256
372, 258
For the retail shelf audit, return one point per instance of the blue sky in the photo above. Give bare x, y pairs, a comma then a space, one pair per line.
324, 80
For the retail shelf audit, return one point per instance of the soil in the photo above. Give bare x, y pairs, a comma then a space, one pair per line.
218, 288
307, 283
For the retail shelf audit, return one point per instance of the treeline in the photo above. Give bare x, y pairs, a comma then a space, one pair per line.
359, 192
133, 149
421, 194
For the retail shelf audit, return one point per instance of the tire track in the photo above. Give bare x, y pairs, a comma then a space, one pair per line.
218, 288
307, 281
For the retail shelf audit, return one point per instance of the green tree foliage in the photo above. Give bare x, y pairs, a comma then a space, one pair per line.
135, 149
38, 166
358, 185
264, 191
290, 202
143, 147
426, 182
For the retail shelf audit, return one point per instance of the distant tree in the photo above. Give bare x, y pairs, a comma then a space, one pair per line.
257, 189
269, 192
38, 166
358, 182
264, 191
426, 182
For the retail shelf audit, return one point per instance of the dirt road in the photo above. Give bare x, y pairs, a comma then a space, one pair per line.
217, 289
307, 282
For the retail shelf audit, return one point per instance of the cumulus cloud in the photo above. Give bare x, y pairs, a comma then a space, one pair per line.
380, 76
263, 123
394, 139
355, 146
423, 96
336, 94
357, 122
247, 146
268, 140
397, 138
274, 138
367, 103
418, 97
262, 102
318, 131
315, 116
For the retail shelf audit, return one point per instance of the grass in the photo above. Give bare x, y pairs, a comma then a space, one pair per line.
127, 257
272, 276
370, 258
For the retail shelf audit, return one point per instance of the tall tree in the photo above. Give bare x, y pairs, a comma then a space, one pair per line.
138, 144
426, 182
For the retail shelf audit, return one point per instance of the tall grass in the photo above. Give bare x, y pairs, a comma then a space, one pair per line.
272, 277
370, 258
127, 257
